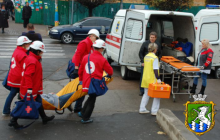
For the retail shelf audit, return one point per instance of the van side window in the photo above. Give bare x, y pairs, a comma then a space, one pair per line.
168, 29
117, 26
209, 31
134, 29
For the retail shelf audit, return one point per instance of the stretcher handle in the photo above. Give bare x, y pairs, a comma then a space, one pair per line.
60, 113
188, 67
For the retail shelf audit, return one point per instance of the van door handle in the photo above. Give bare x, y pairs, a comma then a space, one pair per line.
215, 44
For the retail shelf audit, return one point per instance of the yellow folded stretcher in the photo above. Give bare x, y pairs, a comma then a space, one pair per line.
71, 87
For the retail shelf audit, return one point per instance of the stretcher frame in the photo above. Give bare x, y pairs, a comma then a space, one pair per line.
180, 74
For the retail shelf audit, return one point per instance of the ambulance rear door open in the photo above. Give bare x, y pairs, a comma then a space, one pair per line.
133, 36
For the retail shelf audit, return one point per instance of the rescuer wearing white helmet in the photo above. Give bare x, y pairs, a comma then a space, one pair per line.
83, 48
98, 64
32, 80
13, 79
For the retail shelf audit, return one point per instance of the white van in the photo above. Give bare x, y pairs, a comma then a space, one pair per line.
130, 28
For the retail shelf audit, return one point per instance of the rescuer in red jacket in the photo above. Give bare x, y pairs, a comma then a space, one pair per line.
14, 75
83, 48
32, 80
98, 64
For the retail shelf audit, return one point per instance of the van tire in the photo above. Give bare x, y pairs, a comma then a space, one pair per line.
125, 73
217, 72
106, 57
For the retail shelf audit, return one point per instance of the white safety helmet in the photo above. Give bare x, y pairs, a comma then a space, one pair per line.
99, 44
38, 45
94, 31
22, 40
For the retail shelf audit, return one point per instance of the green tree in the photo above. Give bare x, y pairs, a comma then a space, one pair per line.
91, 4
170, 5
212, 2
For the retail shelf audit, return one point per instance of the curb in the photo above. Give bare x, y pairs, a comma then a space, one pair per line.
173, 127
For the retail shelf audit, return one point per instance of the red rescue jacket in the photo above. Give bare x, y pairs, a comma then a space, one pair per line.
98, 64
83, 48
32, 76
16, 67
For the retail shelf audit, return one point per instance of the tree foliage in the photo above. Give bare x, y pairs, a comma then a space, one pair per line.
170, 5
91, 4
212, 1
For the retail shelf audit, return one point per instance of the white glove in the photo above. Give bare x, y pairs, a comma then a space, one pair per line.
202, 68
29, 91
158, 81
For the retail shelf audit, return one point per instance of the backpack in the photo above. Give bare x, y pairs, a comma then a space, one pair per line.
70, 69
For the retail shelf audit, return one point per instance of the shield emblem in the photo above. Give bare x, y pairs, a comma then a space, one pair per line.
199, 116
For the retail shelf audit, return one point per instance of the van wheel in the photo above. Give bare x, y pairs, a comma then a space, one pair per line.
124, 72
67, 38
106, 57
217, 72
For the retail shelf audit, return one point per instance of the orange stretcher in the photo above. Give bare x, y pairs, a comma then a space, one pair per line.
179, 64
179, 71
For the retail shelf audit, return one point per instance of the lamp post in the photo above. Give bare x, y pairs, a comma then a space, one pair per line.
72, 12
121, 5
56, 14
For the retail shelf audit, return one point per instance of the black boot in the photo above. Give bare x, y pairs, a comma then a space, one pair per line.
47, 119
193, 90
14, 123
70, 108
202, 90
3, 30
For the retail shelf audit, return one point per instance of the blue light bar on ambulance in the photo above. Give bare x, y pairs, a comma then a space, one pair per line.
212, 6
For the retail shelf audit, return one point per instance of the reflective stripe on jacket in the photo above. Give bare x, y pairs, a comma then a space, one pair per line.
148, 73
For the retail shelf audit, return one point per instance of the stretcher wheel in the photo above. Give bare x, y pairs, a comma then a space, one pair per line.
174, 100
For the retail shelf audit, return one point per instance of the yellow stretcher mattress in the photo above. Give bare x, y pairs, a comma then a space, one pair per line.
69, 88
179, 64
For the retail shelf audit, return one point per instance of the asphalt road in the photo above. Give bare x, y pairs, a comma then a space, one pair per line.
115, 115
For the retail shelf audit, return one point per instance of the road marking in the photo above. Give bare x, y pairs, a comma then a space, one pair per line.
17, 38
8, 50
9, 47
43, 57
2, 43
52, 54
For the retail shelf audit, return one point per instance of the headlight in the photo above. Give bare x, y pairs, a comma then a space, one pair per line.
55, 31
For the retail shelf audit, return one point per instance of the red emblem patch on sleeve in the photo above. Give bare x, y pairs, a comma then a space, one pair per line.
210, 55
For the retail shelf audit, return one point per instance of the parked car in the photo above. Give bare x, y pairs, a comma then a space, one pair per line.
78, 31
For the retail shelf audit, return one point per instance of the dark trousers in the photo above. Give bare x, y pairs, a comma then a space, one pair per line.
41, 109
11, 95
3, 30
79, 102
88, 107
26, 21
141, 89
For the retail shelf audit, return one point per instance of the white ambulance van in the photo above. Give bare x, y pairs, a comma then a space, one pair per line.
207, 25
130, 28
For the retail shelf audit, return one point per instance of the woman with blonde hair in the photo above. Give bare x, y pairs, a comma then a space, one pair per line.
150, 75
204, 61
